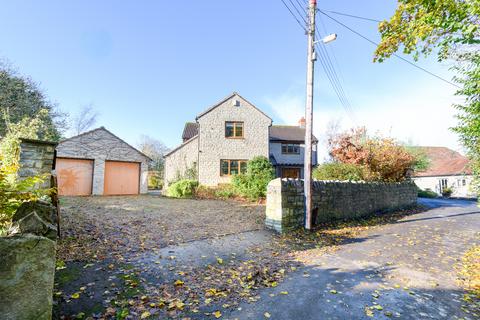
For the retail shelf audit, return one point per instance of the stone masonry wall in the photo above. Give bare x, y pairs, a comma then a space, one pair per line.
36, 158
333, 200
213, 146
181, 159
101, 145
27, 264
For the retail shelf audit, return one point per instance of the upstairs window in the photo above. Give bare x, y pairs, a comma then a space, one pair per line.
290, 148
234, 129
232, 167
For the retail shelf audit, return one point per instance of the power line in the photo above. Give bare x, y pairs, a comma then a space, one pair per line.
299, 13
302, 7
294, 16
325, 61
350, 15
337, 87
396, 55
348, 106
329, 69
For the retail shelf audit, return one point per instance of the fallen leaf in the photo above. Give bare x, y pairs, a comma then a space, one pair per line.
179, 283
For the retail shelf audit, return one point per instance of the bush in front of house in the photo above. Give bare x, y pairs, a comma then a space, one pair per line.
427, 193
155, 182
184, 188
339, 171
223, 191
447, 192
253, 183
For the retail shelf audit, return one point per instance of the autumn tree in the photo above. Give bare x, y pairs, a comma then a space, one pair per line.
451, 29
21, 98
381, 159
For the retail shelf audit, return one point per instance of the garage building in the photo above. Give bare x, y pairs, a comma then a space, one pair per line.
98, 162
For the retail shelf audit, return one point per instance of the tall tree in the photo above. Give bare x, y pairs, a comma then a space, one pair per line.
451, 28
85, 119
155, 149
21, 98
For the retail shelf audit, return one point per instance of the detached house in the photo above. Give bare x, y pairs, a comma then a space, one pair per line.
448, 169
228, 134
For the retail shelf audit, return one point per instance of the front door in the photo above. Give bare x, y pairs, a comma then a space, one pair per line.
293, 173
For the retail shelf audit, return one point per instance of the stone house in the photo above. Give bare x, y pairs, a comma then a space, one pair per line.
228, 134
448, 169
98, 162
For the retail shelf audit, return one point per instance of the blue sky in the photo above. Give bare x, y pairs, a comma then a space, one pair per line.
150, 66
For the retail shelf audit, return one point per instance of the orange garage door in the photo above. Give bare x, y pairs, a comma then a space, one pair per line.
121, 178
74, 176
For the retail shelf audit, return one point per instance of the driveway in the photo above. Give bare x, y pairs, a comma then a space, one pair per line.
403, 270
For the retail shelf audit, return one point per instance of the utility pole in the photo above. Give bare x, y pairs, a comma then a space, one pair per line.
312, 8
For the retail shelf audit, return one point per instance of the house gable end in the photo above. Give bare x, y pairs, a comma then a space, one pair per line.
234, 97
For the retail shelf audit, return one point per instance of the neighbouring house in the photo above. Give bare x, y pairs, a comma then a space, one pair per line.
98, 162
228, 134
448, 169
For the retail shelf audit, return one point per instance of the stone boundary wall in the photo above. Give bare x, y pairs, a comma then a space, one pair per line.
333, 200
27, 264
36, 159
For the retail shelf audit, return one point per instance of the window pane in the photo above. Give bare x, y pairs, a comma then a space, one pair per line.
238, 129
296, 148
290, 148
228, 129
243, 166
224, 167
284, 148
233, 167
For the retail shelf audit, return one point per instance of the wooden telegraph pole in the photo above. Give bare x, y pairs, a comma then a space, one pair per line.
312, 8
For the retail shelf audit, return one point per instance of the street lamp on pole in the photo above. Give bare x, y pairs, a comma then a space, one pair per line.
311, 57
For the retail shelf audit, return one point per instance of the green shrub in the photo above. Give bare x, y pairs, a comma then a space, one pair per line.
182, 189
339, 171
13, 192
427, 193
226, 191
155, 182
447, 192
223, 191
253, 183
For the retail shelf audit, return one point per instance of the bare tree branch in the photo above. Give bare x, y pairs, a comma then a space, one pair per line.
86, 119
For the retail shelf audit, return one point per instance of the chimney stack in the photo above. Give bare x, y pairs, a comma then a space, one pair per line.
302, 122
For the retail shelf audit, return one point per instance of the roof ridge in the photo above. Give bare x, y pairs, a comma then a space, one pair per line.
234, 93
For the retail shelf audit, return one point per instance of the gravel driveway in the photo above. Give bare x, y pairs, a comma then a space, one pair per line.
150, 221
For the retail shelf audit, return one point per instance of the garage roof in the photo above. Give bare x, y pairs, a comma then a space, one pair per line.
104, 129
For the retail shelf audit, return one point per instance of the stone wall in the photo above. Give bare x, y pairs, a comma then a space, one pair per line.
36, 158
333, 200
213, 146
27, 264
101, 145
180, 159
